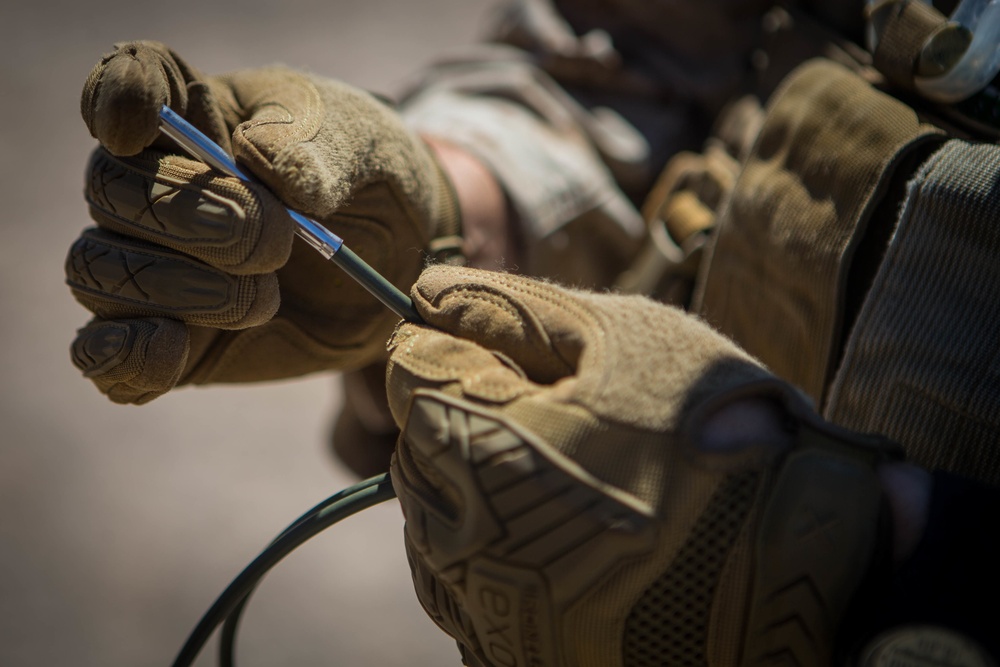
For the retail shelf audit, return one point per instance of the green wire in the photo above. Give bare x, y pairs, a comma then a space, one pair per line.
231, 602
227, 638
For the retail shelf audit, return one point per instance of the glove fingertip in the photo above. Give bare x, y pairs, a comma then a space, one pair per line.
122, 96
264, 303
132, 361
438, 277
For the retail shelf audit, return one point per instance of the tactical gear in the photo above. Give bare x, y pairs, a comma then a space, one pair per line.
791, 242
851, 258
944, 59
682, 208
562, 507
920, 363
193, 276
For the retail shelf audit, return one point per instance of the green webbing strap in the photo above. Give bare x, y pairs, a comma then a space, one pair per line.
903, 27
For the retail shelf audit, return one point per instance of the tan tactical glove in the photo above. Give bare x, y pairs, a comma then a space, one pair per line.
194, 277
567, 502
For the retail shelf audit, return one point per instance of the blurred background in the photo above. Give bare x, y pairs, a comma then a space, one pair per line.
120, 525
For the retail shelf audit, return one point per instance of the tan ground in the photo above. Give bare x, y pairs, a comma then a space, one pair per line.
119, 525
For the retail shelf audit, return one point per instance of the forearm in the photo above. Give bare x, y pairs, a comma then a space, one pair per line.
489, 239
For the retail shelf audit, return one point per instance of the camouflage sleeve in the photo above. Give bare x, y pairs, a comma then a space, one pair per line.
575, 107
556, 161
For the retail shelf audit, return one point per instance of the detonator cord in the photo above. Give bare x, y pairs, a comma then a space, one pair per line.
229, 606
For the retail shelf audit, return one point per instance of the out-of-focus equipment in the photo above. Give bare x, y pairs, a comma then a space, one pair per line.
951, 60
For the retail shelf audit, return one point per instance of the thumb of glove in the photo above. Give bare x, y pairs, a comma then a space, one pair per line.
626, 360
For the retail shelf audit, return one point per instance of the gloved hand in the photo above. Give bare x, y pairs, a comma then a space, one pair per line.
193, 276
570, 498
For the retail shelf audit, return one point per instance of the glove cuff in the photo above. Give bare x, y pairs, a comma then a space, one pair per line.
823, 534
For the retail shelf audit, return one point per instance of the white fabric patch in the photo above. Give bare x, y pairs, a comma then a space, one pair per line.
551, 174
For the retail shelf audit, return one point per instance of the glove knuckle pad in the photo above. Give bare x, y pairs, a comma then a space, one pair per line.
146, 277
113, 276
134, 192
166, 201
527, 534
